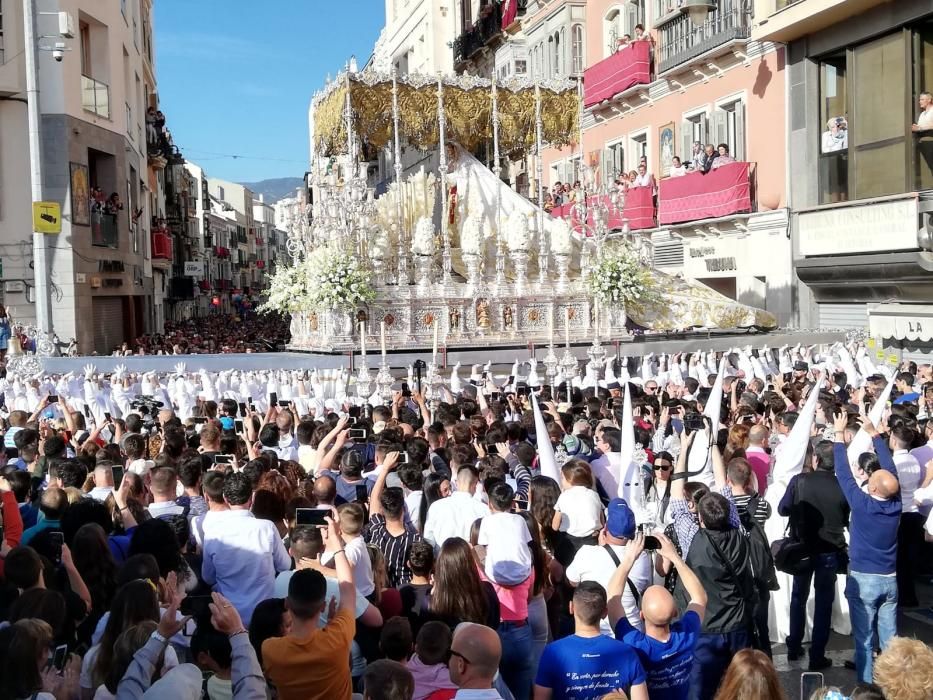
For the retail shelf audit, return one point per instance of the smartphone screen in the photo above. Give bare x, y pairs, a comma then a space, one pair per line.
190, 627
117, 473
362, 493
273, 399
311, 516
199, 420
196, 605
59, 657
58, 541
53, 398
521, 503
107, 415
652, 543
223, 459
357, 433
810, 682
403, 458
242, 409
406, 390
238, 425
284, 404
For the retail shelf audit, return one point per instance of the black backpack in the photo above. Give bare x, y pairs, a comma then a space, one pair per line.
760, 557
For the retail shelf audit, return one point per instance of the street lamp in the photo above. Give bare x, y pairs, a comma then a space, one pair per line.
698, 10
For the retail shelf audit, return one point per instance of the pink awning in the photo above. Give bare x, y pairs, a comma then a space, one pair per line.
629, 66
638, 211
694, 196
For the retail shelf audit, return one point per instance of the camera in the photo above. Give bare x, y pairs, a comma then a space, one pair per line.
148, 409
58, 55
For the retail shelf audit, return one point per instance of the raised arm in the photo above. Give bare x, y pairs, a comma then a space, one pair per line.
617, 582
719, 469
344, 570
388, 466
694, 588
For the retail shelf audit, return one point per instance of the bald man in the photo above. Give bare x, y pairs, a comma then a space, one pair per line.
758, 457
871, 588
474, 660
665, 648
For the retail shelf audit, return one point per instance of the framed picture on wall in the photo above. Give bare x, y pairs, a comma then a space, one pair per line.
80, 195
666, 136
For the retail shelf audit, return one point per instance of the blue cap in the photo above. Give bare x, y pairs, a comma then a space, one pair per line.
227, 423
907, 398
620, 522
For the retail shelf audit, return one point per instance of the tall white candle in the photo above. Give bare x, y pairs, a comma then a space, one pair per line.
363, 338
382, 337
434, 353
550, 325
596, 316
567, 326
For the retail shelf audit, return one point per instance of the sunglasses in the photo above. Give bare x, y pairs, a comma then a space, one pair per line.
662, 467
451, 653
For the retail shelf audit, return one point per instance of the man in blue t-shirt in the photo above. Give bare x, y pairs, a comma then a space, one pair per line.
665, 648
588, 664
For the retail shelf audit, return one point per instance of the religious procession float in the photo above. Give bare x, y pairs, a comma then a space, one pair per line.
452, 255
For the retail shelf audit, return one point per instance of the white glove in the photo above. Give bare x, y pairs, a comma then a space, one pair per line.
180, 368
89, 371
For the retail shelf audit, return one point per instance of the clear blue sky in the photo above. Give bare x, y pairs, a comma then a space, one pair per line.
236, 76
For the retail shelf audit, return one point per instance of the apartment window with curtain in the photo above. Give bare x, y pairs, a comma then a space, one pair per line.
834, 130
577, 49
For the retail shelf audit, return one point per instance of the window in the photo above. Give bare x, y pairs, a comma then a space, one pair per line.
923, 82
466, 14
521, 67
834, 133
612, 30
85, 32
613, 161
729, 127
576, 34
639, 150
693, 129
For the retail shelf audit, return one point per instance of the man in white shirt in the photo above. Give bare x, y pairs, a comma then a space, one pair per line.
598, 563
163, 483
910, 533
644, 178
607, 467
241, 553
505, 536
923, 129
454, 516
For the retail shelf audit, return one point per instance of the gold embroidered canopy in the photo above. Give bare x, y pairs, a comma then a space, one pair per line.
467, 109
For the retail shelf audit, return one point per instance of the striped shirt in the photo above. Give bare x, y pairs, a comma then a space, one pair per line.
395, 549
762, 510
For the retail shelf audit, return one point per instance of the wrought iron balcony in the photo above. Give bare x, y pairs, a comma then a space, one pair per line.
483, 32
681, 40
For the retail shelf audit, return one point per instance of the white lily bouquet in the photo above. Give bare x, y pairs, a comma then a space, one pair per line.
288, 289
379, 245
422, 242
561, 237
336, 280
518, 235
618, 277
471, 237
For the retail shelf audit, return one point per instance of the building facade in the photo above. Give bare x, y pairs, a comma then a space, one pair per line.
862, 171
687, 82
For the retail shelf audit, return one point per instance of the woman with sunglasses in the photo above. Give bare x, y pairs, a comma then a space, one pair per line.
659, 490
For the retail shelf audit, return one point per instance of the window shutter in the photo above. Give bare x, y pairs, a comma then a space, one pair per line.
720, 132
686, 142
631, 18
704, 129
738, 148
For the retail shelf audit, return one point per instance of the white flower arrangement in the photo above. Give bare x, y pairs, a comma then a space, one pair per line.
471, 237
422, 243
379, 245
561, 237
618, 277
329, 278
518, 236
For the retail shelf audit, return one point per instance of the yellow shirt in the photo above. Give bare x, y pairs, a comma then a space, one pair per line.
312, 668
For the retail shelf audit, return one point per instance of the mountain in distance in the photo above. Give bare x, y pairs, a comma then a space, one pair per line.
275, 188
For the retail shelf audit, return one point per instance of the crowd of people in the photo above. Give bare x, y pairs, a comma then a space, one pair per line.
639, 532
215, 333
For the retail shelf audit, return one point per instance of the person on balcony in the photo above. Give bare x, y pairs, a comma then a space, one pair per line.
709, 158
643, 178
677, 168
623, 42
723, 158
641, 34
696, 161
923, 129
836, 136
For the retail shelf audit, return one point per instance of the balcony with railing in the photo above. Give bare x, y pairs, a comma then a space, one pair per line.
95, 97
681, 40
104, 229
486, 29
162, 247
627, 67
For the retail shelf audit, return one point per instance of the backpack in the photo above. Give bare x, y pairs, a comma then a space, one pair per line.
760, 558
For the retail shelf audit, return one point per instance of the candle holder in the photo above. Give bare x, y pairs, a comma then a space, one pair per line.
423, 264
563, 269
569, 364
473, 263
520, 268
363, 380
551, 363
384, 382
597, 355
500, 265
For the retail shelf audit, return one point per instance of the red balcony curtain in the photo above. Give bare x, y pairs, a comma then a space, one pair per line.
509, 13
721, 192
638, 211
623, 69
